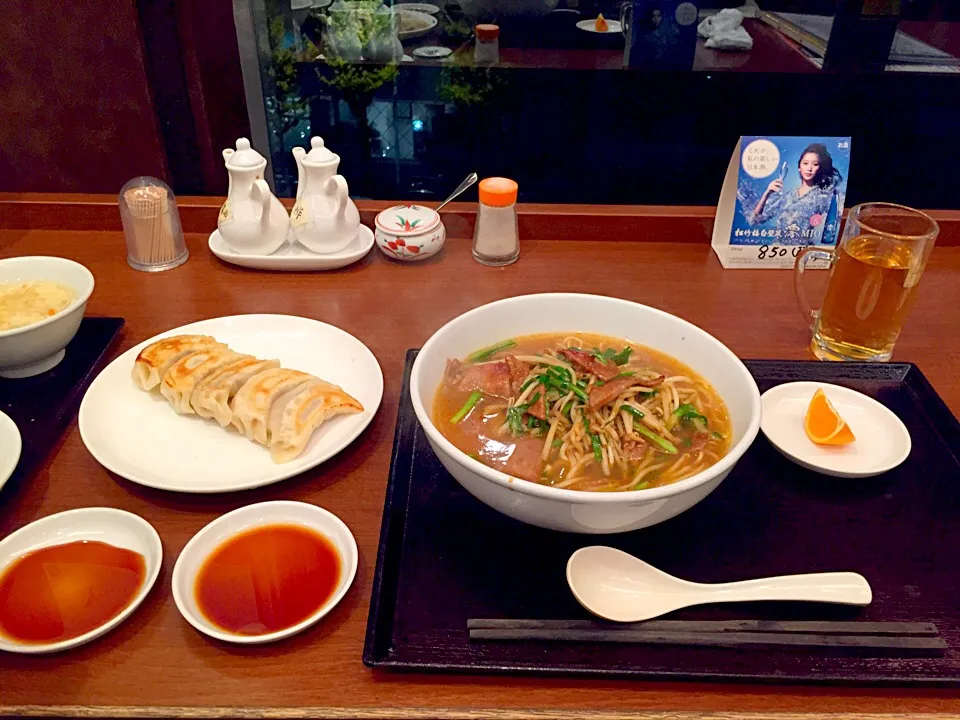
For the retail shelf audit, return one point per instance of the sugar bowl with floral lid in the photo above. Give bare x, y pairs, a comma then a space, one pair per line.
410, 232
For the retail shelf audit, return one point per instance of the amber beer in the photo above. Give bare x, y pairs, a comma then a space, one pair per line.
873, 281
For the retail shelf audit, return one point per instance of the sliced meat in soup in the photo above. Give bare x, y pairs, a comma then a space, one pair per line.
699, 441
585, 362
635, 449
519, 457
539, 408
502, 378
524, 462
518, 373
600, 395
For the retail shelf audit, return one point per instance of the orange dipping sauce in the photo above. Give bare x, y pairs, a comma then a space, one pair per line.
64, 591
267, 579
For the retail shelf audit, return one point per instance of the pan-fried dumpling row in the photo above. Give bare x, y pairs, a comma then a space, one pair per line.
156, 359
268, 404
183, 377
212, 397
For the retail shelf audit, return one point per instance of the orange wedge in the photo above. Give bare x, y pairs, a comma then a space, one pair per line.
823, 423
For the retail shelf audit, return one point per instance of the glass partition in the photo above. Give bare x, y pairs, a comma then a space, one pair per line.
602, 101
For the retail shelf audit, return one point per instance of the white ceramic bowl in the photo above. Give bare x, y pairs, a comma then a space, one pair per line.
426, 8
278, 512
33, 349
409, 232
417, 24
10, 447
572, 510
108, 525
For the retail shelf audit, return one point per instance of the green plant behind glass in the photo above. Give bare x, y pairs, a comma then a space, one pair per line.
467, 86
363, 20
291, 103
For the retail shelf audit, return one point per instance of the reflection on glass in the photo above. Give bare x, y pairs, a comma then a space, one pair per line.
642, 105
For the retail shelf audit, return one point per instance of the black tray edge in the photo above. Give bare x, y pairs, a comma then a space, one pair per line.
943, 421
31, 461
660, 676
391, 528
895, 371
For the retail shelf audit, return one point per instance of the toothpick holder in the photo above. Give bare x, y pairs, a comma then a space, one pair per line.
151, 224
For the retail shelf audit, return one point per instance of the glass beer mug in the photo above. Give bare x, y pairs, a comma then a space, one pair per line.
874, 273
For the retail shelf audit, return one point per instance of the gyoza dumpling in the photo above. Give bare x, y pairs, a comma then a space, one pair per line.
295, 415
212, 396
251, 405
185, 374
155, 359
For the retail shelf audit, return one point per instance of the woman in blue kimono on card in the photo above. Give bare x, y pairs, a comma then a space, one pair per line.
802, 214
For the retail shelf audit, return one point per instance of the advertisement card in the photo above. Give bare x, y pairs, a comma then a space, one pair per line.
780, 194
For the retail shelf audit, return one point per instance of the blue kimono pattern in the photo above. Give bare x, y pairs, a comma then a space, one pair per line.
800, 220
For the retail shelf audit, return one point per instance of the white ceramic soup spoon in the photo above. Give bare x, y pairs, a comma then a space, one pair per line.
617, 586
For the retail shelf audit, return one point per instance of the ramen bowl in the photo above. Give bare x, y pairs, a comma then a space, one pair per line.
576, 510
33, 349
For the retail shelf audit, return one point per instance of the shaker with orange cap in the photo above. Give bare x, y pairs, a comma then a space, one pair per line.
496, 239
486, 51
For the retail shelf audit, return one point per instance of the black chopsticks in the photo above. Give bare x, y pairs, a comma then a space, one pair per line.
888, 638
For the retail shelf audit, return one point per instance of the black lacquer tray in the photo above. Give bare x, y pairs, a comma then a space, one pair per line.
445, 557
41, 406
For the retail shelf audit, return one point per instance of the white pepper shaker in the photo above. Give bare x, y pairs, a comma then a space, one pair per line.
496, 239
486, 49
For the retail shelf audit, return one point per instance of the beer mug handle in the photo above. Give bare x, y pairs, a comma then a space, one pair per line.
807, 254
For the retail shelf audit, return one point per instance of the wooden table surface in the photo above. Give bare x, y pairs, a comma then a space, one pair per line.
157, 664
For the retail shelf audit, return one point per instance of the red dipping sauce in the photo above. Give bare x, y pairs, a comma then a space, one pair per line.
61, 592
267, 579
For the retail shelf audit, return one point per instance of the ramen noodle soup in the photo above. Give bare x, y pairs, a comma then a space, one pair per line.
27, 303
582, 412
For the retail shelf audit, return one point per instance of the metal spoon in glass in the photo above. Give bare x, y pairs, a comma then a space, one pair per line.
617, 586
467, 182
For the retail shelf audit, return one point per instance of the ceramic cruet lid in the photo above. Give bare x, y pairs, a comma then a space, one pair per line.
319, 154
404, 220
244, 156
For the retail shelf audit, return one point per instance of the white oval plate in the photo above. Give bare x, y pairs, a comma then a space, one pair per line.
591, 26
138, 435
10, 448
432, 52
292, 256
279, 512
428, 8
107, 525
882, 443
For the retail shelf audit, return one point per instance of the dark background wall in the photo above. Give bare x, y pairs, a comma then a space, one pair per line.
95, 92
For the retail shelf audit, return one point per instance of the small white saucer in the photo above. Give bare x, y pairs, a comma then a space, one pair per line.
107, 525
882, 443
432, 52
277, 512
591, 27
292, 256
10, 447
